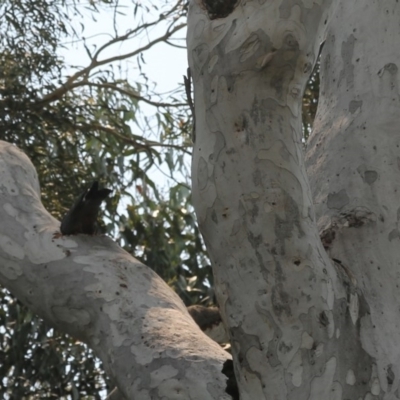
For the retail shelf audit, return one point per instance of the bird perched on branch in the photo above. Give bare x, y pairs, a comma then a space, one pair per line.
82, 216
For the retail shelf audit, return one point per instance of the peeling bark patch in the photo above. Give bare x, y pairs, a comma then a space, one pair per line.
284, 226
390, 67
219, 8
199, 29
327, 237
338, 200
323, 319
394, 234
345, 347
257, 177
258, 45
249, 47
10, 269
255, 111
346, 276
261, 111
295, 369
321, 387
248, 341
272, 355
48, 253
162, 374
214, 90
286, 8
10, 210
389, 375
200, 55
347, 55
354, 307
316, 352
357, 217
375, 387
236, 227
290, 43
350, 377
202, 173
7, 181
370, 177
11, 247
285, 348
328, 293
242, 131
214, 217
255, 241
71, 315
354, 106
212, 62
254, 212
218, 146
307, 342
281, 301
265, 60
284, 66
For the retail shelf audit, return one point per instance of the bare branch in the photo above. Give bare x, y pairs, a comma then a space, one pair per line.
71, 81
132, 141
132, 94
138, 29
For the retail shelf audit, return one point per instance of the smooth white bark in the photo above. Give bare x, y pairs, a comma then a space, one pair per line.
300, 325
354, 167
90, 288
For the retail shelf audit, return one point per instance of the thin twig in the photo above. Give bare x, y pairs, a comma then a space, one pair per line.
71, 81
134, 142
130, 93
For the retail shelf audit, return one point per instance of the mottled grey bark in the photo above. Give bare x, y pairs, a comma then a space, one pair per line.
90, 288
304, 323
353, 162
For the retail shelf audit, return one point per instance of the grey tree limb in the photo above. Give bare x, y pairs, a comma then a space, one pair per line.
90, 288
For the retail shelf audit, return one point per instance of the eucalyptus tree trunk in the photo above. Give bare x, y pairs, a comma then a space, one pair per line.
308, 319
353, 161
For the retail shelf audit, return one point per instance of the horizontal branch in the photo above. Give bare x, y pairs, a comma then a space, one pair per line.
90, 288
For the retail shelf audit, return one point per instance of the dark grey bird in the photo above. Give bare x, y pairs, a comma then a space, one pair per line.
82, 216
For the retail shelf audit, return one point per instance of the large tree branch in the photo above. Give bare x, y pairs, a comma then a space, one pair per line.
90, 288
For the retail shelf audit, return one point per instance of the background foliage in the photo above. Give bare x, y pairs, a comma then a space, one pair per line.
81, 123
